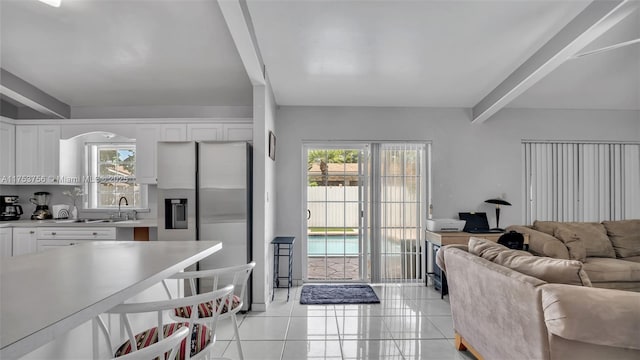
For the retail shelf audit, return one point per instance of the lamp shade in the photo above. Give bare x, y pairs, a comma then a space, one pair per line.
498, 202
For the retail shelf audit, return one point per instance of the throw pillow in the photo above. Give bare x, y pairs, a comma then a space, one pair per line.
572, 241
559, 271
542, 244
488, 249
547, 227
593, 236
625, 237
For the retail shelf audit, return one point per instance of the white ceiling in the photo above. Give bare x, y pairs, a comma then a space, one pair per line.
124, 53
607, 80
316, 52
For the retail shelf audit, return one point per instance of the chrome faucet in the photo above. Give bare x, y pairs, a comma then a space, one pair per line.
120, 203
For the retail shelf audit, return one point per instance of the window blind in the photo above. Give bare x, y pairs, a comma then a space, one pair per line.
581, 181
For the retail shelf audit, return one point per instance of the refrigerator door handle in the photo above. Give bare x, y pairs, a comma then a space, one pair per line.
308, 214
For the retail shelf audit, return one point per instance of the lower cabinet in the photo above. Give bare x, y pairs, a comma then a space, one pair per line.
24, 241
52, 237
29, 240
6, 246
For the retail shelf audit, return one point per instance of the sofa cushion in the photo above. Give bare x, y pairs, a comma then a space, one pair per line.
572, 241
592, 316
611, 270
551, 270
632, 258
541, 243
593, 236
625, 237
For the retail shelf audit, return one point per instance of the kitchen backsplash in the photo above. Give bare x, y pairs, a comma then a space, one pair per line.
26, 191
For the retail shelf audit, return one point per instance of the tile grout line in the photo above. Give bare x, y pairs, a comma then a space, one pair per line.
286, 333
335, 317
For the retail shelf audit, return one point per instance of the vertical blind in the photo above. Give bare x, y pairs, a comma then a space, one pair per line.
402, 198
580, 181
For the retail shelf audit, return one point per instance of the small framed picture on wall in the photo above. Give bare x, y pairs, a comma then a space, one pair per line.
272, 145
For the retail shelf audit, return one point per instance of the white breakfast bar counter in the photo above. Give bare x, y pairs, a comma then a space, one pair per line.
46, 294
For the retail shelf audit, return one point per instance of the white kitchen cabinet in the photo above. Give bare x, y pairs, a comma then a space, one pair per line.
181, 156
204, 132
54, 244
52, 237
6, 246
8, 151
49, 152
24, 241
37, 154
173, 132
147, 137
26, 150
237, 132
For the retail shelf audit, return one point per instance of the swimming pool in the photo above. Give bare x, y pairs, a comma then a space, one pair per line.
343, 245
320, 245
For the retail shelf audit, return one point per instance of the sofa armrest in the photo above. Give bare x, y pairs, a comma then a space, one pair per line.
440, 254
541, 243
593, 315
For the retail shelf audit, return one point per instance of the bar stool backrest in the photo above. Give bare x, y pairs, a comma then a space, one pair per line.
238, 276
160, 307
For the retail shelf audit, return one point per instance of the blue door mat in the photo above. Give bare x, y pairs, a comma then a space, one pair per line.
338, 294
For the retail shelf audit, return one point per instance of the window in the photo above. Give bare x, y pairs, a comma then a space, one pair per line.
112, 174
581, 181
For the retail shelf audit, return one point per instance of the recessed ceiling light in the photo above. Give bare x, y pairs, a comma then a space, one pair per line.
54, 3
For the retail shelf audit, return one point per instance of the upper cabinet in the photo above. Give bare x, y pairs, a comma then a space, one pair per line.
37, 154
220, 132
147, 137
204, 132
238, 132
8, 151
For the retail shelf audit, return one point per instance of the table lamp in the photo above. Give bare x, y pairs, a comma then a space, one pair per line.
497, 202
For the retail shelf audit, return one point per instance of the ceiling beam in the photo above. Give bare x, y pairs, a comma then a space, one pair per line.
236, 14
30, 96
593, 21
607, 48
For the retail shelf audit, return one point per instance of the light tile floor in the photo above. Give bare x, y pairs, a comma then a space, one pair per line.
411, 322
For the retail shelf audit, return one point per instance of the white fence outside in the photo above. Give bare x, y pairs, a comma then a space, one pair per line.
337, 206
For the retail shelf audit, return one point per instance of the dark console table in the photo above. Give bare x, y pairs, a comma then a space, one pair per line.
282, 247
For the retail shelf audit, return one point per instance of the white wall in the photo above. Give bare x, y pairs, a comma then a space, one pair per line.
470, 162
263, 195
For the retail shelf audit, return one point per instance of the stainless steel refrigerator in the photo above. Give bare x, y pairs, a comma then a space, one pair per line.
205, 193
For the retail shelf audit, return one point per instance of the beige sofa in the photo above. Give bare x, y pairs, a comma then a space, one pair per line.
609, 250
501, 311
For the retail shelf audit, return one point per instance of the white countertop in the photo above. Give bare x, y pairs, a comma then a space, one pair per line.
68, 223
45, 294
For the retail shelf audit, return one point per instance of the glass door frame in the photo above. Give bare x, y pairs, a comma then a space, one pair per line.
369, 215
363, 189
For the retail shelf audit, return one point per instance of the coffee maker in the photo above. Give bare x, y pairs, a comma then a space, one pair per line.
41, 201
9, 208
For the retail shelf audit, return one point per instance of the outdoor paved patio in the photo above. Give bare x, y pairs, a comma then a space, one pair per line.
347, 268
337, 268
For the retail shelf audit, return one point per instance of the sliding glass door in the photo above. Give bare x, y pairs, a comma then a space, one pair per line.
335, 184
365, 211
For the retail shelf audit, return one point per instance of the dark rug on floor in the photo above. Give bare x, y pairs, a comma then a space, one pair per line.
338, 294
